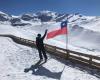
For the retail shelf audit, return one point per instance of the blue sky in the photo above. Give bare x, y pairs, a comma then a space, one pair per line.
85, 7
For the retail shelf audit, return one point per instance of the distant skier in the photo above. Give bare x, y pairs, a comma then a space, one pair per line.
40, 46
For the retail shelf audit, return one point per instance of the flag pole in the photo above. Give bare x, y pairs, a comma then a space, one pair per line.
67, 40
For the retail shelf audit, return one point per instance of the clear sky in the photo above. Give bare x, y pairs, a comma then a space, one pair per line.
85, 7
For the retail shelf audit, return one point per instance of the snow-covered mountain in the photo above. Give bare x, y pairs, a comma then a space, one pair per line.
42, 16
83, 36
84, 31
4, 16
46, 16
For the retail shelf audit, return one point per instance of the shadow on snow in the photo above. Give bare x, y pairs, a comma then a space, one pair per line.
38, 69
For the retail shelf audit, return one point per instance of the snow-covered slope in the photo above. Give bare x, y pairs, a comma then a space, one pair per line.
4, 16
15, 59
83, 31
82, 36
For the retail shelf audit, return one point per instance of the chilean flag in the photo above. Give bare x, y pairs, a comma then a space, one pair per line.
62, 30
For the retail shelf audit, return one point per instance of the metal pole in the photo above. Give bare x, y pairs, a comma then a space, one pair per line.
67, 40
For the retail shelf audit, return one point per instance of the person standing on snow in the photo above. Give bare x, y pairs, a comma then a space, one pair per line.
40, 46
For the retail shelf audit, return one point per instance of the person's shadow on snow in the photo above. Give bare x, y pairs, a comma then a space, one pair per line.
38, 69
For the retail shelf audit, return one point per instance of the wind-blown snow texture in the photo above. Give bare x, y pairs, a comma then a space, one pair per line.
83, 31
83, 36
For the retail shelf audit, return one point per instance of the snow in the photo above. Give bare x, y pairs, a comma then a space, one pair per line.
75, 74
16, 58
93, 25
4, 15
83, 36
15, 16
79, 39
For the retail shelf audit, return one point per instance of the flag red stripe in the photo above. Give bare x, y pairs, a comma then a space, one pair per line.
57, 32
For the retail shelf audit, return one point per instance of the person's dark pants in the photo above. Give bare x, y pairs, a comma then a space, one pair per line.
42, 52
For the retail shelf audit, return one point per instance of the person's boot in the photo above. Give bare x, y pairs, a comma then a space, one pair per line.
45, 59
41, 59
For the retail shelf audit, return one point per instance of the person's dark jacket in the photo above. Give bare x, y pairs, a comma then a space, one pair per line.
39, 40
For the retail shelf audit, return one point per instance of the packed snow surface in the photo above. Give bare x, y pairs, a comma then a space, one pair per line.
15, 59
